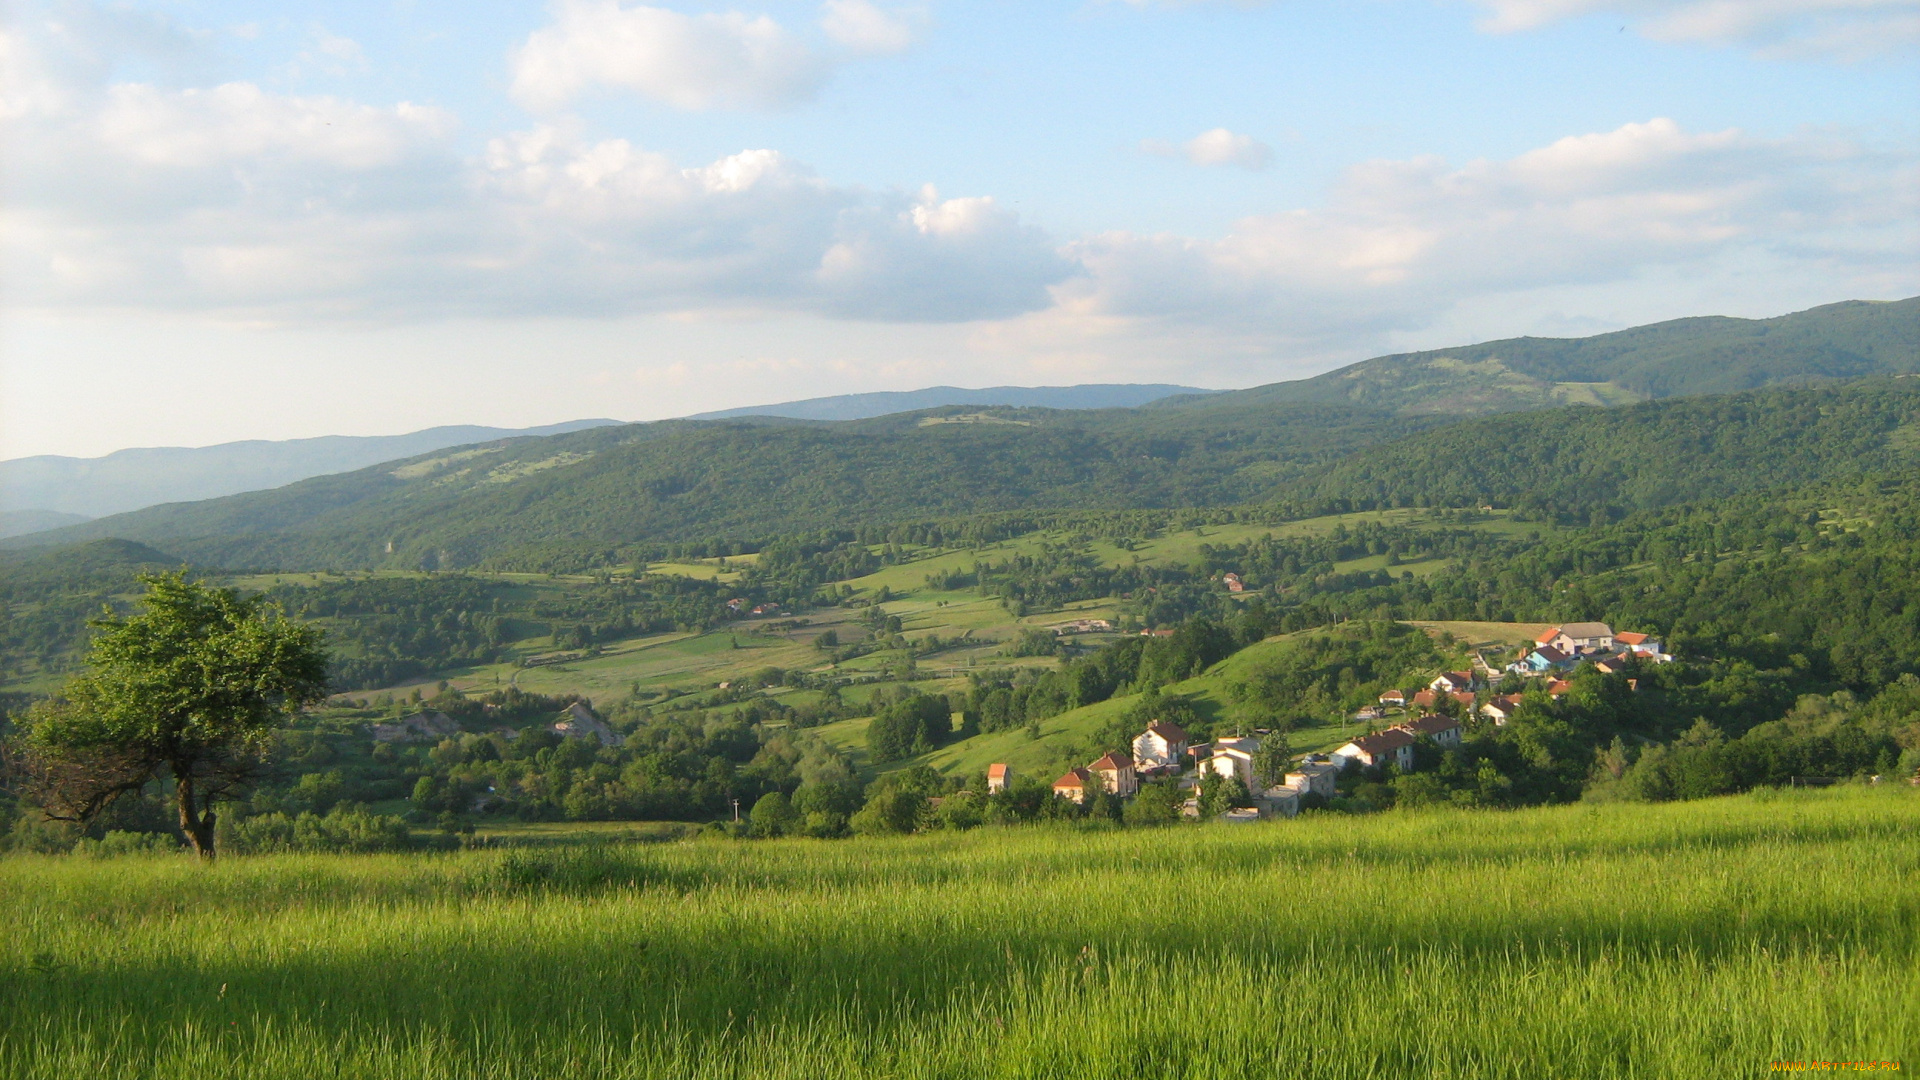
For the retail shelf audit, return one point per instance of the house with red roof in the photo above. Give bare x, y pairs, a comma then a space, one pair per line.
999, 777
1074, 785
1162, 746
1115, 774
1390, 747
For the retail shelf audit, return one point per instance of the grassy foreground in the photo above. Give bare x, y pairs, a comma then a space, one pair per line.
1645, 941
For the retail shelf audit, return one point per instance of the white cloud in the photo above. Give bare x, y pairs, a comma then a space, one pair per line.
1847, 29
329, 54
864, 28
1400, 243
238, 201
725, 60
241, 122
1213, 149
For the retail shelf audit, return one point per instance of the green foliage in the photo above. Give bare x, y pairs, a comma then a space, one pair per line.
343, 829
916, 725
189, 689
1332, 672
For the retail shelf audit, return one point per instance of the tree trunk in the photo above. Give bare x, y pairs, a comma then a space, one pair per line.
196, 823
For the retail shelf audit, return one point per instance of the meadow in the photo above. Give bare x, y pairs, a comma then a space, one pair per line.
1616, 940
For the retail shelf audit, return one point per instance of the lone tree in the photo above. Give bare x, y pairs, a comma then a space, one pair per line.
190, 690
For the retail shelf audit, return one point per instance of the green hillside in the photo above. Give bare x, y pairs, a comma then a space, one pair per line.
1710, 355
593, 498
567, 500
1577, 461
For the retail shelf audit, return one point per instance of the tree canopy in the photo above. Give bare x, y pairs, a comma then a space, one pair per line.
188, 690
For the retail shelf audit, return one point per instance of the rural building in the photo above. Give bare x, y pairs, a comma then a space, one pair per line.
1540, 661
578, 722
428, 725
999, 777
1314, 777
1392, 746
1501, 709
1161, 746
1283, 800
1443, 730
1395, 698
1234, 584
1642, 646
1115, 773
1074, 785
1579, 637
1452, 682
1234, 757
1558, 688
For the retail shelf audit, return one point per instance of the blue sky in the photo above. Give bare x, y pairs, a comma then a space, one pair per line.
270, 221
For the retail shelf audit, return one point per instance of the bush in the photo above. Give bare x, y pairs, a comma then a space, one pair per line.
344, 829
116, 842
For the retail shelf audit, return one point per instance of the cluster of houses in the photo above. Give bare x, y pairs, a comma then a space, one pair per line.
576, 721
1564, 647
1084, 626
738, 606
1553, 654
1164, 749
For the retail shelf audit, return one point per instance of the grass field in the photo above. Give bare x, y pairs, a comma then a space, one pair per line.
1698, 939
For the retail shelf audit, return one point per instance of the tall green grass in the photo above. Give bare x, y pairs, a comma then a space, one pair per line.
1618, 941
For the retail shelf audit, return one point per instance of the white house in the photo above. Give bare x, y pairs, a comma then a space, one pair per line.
1314, 777
1074, 785
999, 776
1115, 773
1501, 709
1161, 746
1234, 757
1392, 746
1579, 637
1452, 682
1443, 730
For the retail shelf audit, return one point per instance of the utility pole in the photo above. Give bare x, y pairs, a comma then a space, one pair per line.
736, 811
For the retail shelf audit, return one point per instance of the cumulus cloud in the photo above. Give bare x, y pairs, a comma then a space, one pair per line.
1847, 29
864, 28
1212, 149
237, 200
718, 60
1399, 242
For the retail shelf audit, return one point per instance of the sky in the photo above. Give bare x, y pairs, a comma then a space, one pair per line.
226, 221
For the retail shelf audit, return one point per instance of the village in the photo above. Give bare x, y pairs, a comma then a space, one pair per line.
1164, 749
1278, 784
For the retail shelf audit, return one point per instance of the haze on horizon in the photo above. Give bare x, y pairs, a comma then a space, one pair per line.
227, 223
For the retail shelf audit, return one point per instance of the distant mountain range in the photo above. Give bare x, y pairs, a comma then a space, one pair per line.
864, 406
49, 491
40, 493
578, 498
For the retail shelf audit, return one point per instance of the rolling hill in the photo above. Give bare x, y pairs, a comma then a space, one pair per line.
69, 487
1708, 355
578, 499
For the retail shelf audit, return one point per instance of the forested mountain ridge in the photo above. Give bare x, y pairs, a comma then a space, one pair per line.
589, 492
574, 501
1580, 461
1705, 355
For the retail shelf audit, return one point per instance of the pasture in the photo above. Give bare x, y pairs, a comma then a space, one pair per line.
1606, 941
